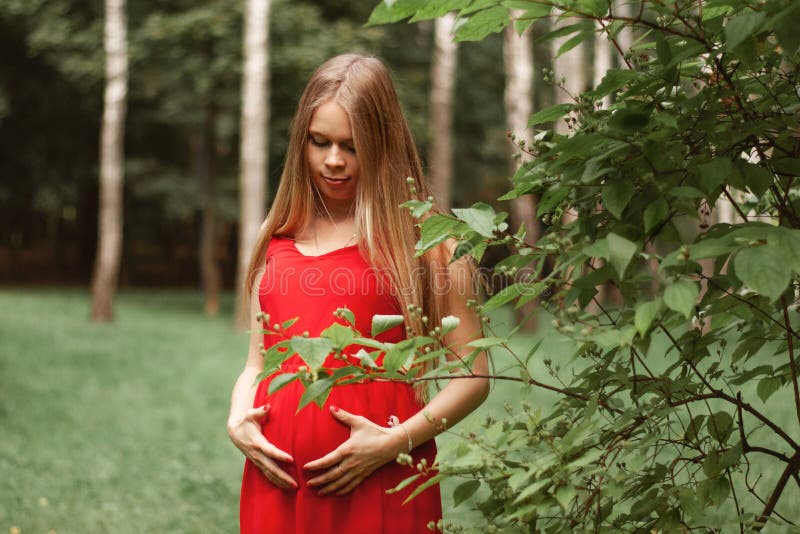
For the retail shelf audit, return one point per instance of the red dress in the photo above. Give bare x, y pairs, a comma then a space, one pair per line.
311, 288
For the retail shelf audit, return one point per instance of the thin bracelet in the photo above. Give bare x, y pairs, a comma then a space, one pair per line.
393, 422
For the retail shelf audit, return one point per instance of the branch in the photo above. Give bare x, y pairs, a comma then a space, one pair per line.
791, 469
732, 400
792, 366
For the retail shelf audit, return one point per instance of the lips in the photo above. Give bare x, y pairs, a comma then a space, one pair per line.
335, 181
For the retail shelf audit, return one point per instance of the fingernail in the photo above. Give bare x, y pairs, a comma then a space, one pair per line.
334, 409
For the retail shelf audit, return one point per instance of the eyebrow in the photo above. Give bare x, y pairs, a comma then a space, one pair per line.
320, 134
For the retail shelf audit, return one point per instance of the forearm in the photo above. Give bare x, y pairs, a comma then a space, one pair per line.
454, 402
244, 392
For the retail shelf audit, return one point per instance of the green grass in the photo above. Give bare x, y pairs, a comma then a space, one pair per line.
120, 427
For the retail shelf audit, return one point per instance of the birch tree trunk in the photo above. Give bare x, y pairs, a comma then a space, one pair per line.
112, 135
210, 276
518, 60
254, 130
569, 68
443, 77
624, 38
602, 60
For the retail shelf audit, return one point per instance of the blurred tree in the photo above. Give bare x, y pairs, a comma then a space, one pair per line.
569, 69
443, 68
254, 127
195, 93
518, 61
185, 71
109, 243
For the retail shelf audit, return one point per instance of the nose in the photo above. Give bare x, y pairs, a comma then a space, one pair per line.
334, 158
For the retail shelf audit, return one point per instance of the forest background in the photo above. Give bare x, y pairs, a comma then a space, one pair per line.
184, 110
669, 257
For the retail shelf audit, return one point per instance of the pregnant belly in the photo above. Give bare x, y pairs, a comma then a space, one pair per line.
314, 432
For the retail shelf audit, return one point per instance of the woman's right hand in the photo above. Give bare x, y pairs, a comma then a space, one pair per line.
246, 435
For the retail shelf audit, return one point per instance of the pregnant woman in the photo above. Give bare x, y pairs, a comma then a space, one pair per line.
337, 237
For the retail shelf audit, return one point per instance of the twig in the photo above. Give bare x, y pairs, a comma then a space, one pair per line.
792, 366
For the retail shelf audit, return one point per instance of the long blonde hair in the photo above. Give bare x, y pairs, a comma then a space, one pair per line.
387, 156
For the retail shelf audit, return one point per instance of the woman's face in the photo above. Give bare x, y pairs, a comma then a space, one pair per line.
331, 156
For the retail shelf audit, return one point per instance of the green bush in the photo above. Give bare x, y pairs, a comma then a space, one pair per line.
662, 422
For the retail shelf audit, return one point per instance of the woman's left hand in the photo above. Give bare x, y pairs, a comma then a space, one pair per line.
369, 447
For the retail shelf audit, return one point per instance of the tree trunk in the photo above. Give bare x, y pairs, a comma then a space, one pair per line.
443, 77
210, 277
569, 68
254, 130
518, 59
603, 56
109, 229
624, 38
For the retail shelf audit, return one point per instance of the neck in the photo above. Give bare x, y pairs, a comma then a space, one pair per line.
336, 212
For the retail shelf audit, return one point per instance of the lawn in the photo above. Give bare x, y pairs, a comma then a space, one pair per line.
116, 428
121, 427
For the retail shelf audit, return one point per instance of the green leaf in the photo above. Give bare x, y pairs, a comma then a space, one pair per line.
464, 491
786, 29
288, 323
757, 178
620, 252
366, 358
564, 495
509, 293
645, 313
631, 119
481, 24
711, 464
720, 426
486, 342
694, 426
418, 208
434, 230
390, 11
655, 214
404, 484
552, 198
316, 392
742, 25
598, 249
312, 350
339, 335
613, 80
763, 270
280, 381
550, 114
433, 10
787, 241
711, 248
713, 174
681, 296
382, 323
480, 217
348, 316
274, 356
616, 196
425, 485
767, 386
